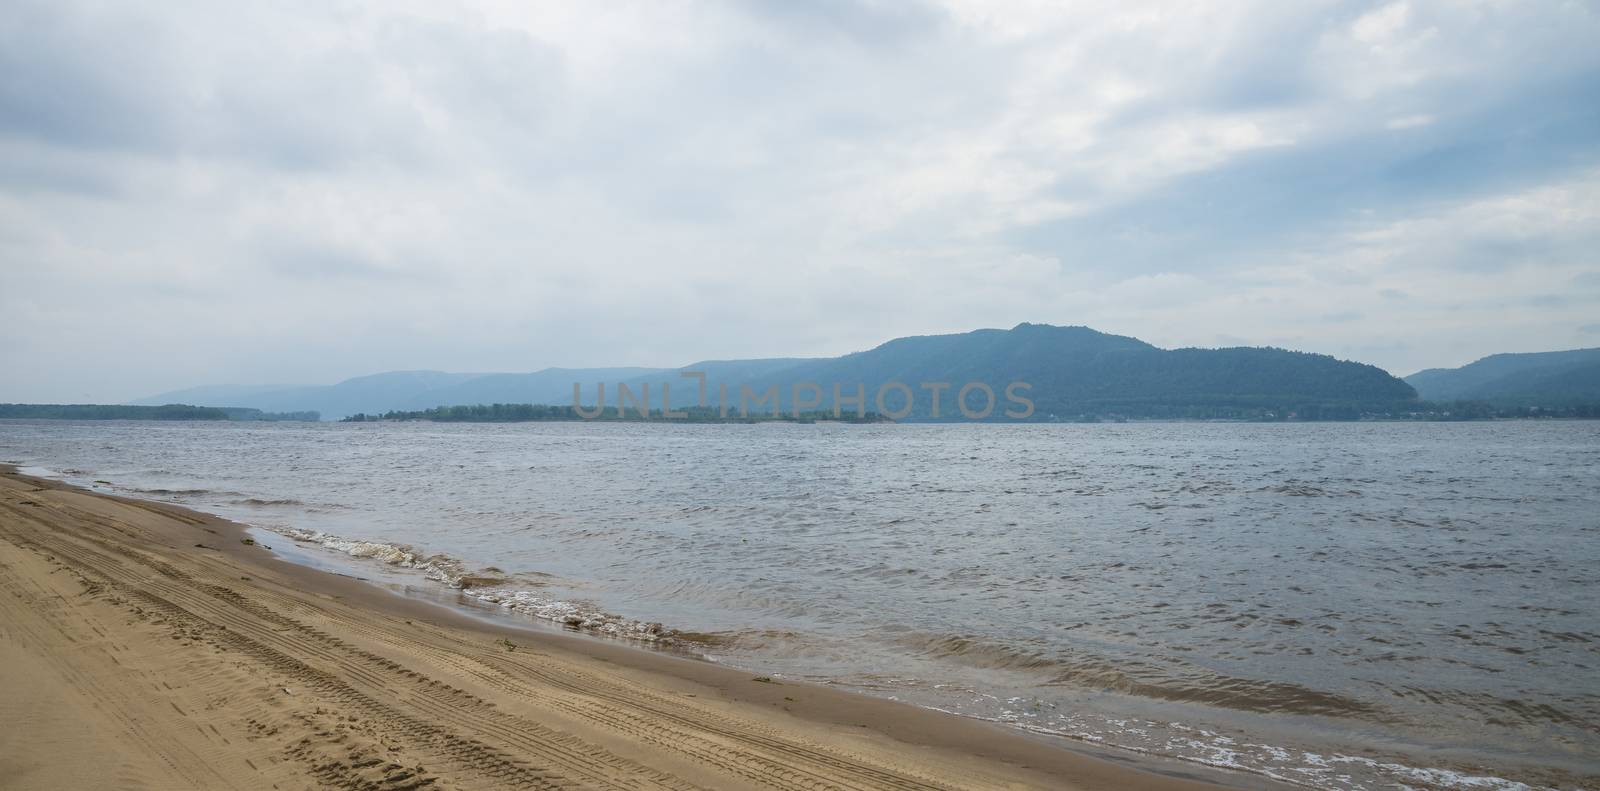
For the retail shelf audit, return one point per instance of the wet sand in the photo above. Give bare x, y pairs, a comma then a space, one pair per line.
143, 645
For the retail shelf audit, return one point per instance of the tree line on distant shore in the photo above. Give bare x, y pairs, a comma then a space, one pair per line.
1230, 409
527, 413
163, 412
1111, 410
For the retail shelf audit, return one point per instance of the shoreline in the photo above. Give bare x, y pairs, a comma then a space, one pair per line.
370, 685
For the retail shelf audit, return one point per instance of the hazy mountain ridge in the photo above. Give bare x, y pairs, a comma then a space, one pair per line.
1071, 371
547, 386
396, 390
214, 394
1533, 378
333, 401
1078, 371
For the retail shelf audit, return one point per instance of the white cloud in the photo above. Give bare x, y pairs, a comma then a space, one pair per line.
1422, 295
1410, 121
258, 192
1380, 28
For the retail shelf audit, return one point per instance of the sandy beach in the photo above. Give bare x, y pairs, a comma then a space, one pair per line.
143, 645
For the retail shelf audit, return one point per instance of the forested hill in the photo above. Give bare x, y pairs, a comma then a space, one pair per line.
1077, 372
1540, 379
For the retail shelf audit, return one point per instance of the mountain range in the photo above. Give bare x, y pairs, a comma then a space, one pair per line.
1065, 373
1547, 379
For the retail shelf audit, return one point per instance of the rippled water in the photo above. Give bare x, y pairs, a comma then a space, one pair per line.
1341, 605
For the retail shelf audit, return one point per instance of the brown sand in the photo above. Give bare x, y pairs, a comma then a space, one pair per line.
143, 645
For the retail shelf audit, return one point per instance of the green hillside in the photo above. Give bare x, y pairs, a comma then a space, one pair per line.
1541, 379
1077, 372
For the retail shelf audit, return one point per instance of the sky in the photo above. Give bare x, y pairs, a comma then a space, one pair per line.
287, 193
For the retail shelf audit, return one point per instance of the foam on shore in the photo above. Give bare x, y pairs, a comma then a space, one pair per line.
487, 585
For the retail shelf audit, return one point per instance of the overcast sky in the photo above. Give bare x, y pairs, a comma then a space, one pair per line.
278, 193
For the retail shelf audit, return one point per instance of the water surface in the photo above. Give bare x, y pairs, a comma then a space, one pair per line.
1340, 605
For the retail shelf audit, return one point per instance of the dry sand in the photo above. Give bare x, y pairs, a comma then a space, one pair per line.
143, 645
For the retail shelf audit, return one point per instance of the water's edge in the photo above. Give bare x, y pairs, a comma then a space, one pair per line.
488, 593
403, 571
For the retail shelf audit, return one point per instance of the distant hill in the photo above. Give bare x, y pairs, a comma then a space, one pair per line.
1072, 373
351, 395
1076, 371
1066, 372
549, 386
210, 394
686, 390
1549, 379
400, 390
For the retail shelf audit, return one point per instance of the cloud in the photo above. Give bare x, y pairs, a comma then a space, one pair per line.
1410, 121
203, 192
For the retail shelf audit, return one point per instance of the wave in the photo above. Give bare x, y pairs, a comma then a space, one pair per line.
258, 501
974, 652
1302, 768
1193, 685
573, 614
491, 586
1298, 489
1306, 768
440, 568
173, 492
